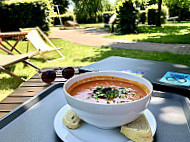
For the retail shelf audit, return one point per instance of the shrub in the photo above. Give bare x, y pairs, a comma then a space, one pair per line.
152, 11
142, 16
127, 15
64, 17
23, 15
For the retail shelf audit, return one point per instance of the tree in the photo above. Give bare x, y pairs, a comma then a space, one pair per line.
180, 4
63, 5
87, 9
158, 23
107, 6
150, 2
141, 4
127, 15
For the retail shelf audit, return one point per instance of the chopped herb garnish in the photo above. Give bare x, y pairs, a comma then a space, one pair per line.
121, 102
133, 94
89, 97
109, 92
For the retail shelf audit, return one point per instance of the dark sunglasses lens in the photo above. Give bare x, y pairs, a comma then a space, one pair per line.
68, 72
48, 76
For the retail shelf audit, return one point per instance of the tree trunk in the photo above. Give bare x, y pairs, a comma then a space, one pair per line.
90, 14
179, 15
158, 23
96, 17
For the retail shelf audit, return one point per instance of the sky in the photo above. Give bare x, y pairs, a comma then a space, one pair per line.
71, 6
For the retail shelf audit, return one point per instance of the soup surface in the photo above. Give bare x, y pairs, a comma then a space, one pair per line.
108, 89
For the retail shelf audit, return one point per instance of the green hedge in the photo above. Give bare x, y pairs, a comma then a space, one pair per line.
128, 17
22, 15
152, 11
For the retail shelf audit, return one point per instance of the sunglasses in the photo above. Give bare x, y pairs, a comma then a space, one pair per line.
50, 75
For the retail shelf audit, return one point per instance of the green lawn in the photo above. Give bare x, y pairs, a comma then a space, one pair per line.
92, 25
172, 32
79, 55
87, 25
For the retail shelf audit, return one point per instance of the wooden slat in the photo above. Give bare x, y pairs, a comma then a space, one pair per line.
6, 60
27, 91
16, 100
58, 79
40, 83
35, 84
36, 76
8, 107
3, 113
12, 34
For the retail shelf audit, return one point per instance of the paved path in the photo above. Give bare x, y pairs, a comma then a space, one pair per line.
95, 37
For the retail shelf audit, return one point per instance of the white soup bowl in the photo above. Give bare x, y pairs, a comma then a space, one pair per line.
108, 116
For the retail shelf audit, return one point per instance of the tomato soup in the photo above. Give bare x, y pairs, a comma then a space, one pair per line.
108, 90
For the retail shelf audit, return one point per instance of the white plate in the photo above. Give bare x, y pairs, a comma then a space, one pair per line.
89, 133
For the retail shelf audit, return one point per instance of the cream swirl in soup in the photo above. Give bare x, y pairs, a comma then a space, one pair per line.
108, 90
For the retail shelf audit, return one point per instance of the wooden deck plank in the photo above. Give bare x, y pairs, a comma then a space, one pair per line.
8, 107
3, 113
27, 91
58, 79
38, 82
34, 84
16, 100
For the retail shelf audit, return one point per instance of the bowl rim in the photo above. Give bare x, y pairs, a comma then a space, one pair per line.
120, 104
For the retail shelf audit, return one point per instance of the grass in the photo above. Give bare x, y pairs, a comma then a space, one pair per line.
87, 25
92, 25
172, 32
78, 55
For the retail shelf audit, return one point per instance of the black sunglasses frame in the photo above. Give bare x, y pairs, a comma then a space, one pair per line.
49, 76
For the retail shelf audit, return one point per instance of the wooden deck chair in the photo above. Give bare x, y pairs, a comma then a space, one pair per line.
41, 42
8, 60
